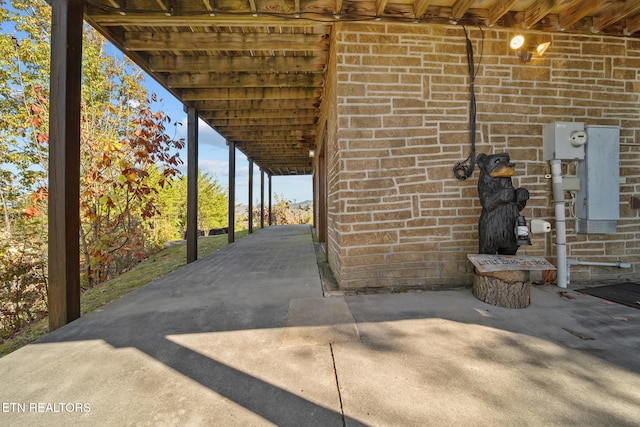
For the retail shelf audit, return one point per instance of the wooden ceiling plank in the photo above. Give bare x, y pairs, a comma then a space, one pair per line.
499, 9
172, 41
614, 13
460, 8
269, 101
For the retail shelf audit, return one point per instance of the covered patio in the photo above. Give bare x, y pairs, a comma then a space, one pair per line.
372, 99
245, 337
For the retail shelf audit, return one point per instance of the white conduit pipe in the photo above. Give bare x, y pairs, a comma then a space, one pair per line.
561, 230
571, 262
599, 264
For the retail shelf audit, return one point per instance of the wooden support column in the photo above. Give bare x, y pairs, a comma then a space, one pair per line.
250, 196
192, 184
270, 210
261, 198
232, 191
64, 162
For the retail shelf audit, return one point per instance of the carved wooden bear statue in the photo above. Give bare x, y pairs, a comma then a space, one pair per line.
501, 204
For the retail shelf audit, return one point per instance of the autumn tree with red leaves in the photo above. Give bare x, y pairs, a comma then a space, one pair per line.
127, 157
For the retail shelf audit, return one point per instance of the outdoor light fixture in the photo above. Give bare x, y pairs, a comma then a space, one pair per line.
526, 50
312, 153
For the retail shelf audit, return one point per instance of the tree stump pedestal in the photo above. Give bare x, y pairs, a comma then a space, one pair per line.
503, 280
510, 289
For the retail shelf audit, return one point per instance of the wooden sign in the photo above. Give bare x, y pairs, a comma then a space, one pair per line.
488, 263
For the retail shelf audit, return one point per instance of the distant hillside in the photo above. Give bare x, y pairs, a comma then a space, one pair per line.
302, 205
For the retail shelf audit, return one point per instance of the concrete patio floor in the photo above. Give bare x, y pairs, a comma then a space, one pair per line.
245, 337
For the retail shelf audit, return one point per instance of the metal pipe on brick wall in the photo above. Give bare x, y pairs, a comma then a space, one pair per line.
561, 231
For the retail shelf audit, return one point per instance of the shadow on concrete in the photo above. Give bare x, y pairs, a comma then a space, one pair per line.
225, 340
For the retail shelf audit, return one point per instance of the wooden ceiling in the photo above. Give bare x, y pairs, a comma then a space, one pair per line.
255, 69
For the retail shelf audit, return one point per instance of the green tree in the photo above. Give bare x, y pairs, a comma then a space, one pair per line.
213, 207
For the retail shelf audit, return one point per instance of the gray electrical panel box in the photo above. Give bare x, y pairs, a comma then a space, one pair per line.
564, 141
598, 200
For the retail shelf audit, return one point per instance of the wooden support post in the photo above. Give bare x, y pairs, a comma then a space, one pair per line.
261, 198
232, 191
64, 162
250, 196
192, 184
270, 210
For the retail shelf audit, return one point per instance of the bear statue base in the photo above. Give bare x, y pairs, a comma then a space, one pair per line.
510, 289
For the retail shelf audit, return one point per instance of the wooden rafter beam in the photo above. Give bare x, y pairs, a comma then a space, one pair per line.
380, 6
247, 104
420, 7
270, 64
265, 122
499, 9
161, 4
250, 93
460, 8
576, 11
258, 140
337, 7
157, 20
254, 7
269, 134
209, 5
211, 80
537, 11
172, 41
262, 114
633, 24
306, 128
614, 13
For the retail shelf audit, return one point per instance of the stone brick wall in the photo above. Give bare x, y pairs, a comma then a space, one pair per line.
397, 216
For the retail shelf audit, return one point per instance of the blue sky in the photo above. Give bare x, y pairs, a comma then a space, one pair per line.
213, 156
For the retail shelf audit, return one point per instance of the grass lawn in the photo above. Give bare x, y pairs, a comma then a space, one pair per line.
155, 266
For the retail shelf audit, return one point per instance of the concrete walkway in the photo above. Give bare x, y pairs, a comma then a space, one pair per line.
245, 337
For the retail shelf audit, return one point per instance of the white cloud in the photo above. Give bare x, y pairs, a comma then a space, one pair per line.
216, 168
206, 134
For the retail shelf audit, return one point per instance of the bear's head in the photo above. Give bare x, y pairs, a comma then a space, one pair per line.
496, 165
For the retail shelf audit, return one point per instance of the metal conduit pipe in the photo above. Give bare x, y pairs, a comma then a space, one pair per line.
571, 262
599, 264
561, 230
